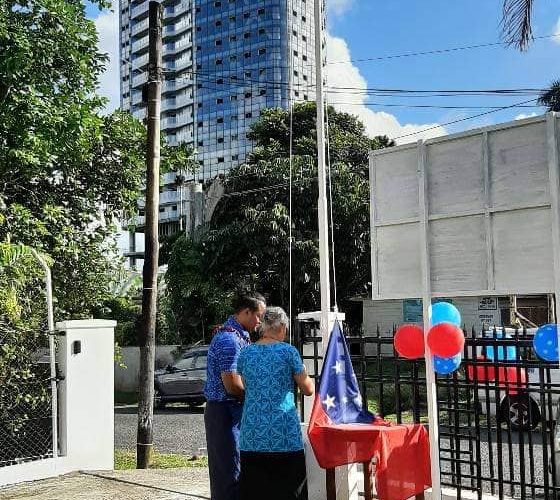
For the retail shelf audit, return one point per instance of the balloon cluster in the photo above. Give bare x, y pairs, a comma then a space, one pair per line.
445, 339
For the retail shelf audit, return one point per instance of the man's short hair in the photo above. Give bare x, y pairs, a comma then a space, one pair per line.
251, 301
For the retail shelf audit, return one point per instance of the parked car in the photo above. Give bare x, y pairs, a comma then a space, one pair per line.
515, 397
182, 381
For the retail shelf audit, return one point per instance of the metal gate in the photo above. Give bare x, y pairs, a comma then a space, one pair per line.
27, 416
496, 415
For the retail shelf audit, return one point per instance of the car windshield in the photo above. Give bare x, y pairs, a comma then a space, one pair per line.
185, 363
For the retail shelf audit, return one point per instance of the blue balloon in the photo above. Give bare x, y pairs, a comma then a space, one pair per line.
444, 312
545, 342
508, 353
445, 366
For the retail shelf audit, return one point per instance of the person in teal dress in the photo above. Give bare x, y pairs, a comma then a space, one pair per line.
270, 442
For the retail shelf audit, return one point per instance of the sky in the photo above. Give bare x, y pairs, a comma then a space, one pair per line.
364, 34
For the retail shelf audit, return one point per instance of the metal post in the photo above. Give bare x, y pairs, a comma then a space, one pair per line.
52, 350
144, 444
426, 301
322, 202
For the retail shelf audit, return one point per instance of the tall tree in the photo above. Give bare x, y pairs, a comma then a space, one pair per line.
551, 97
246, 245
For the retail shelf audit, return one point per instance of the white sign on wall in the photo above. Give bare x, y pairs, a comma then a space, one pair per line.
471, 214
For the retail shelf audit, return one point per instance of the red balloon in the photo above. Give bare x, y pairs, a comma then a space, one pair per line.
484, 373
446, 340
409, 341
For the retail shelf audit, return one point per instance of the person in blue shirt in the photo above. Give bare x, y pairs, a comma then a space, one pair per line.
224, 395
272, 454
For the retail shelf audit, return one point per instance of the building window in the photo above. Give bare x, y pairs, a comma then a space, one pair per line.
260, 12
234, 157
248, 115
220, 81
232, 38
296, 73
262, 92
198, 29
218, 23
247, 55
218, 62
231, 19
220, 159
262, 71
174, 208
262, 31
234, 137
296, 93
304, 57
294, 13
303, 18
305, 77
220, 120
233, 58
220, 140
233, 98
296, 53
200, 124
294, 32
219, 100
247, 15
246, 35
248, 95
200, 143
303, 38
305, 98
247, 74
218, 43
200, 105
262, 52
217, 4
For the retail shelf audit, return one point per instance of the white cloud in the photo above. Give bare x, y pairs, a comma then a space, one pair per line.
351, 100
339, 7
107, 24
556, 31
524, 115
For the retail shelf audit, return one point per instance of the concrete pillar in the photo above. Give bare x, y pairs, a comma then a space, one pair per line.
86, 395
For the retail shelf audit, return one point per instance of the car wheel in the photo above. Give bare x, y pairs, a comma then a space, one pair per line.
159, 403
521, 412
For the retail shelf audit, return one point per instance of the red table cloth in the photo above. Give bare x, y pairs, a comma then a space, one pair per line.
401, 452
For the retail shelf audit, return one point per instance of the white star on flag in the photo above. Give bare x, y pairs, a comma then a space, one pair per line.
344, 399
329, 402
338, 367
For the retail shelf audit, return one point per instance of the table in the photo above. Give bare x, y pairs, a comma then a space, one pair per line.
401, 453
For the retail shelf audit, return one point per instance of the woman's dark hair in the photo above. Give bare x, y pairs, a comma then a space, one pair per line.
249, 301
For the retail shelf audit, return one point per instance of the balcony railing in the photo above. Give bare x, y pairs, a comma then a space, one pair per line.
140, 10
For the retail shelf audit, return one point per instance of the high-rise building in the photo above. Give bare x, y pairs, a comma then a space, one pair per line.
224, 61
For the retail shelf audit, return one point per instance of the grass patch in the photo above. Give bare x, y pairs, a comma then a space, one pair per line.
126, 398
125, 460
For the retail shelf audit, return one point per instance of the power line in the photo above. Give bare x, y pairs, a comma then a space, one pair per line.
437, 51
462, 119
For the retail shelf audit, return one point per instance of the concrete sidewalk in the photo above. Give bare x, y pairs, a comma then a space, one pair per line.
154, 484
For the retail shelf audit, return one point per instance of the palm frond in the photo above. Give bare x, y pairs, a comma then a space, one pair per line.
551, 97
516, 23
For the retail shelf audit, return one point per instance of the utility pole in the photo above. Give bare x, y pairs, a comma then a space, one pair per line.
144, 439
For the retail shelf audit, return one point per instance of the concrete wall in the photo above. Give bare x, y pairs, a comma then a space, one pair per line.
126, 379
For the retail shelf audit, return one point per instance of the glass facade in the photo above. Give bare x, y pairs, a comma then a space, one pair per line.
224, 61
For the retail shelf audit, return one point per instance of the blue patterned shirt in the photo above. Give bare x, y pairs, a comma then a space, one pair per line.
222, 357
270, 420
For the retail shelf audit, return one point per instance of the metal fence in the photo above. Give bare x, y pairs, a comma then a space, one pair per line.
25, 396
496, 413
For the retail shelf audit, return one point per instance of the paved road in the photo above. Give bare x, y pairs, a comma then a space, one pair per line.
177, 429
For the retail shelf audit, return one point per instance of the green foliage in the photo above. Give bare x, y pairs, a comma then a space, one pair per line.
551, 97
196, 301
246, 245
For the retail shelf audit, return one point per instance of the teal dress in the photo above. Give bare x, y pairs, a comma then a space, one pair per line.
272, 456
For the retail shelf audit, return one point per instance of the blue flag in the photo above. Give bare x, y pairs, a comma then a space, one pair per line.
339, 393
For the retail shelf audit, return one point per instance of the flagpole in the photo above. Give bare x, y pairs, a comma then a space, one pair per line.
321, 168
